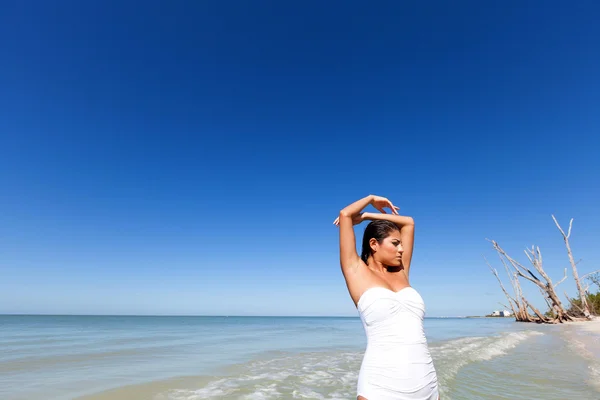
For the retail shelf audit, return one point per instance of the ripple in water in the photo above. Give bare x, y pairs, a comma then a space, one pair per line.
333, 376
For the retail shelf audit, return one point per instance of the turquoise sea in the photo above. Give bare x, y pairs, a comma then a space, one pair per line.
185, 358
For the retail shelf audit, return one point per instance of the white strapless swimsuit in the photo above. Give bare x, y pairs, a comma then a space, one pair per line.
397, 364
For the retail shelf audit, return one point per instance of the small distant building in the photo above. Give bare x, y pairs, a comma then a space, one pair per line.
500, 313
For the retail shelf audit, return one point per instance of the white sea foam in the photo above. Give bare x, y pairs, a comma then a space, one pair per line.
333, 376
452, 355
301, 376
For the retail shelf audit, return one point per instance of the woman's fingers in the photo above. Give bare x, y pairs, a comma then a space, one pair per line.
392, 207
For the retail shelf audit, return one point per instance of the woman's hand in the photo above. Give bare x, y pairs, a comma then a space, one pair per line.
356, 219
381, 202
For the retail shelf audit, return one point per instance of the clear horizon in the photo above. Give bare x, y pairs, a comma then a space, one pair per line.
225, 316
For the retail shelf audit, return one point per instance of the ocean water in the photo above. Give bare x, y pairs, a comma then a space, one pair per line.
193, 358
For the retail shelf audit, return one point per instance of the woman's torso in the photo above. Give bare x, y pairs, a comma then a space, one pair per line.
397, 357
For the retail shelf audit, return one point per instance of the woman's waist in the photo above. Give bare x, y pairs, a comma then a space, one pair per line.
397, 354
396, 337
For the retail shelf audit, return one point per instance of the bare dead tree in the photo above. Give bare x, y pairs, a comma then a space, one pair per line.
520, 305
541, 317
512, 301
584, 305
546, 286
523, 314
535, 257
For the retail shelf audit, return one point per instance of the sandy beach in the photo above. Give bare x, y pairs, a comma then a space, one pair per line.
584, 339
589, 326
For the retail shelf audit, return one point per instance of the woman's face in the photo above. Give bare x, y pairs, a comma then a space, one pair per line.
389, 251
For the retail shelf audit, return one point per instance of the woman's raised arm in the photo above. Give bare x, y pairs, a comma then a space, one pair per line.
350, 216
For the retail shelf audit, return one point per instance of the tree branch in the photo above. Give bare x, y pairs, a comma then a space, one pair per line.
562, 280
586, 309
589, 273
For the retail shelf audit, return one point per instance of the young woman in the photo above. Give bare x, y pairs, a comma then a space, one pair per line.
397, 364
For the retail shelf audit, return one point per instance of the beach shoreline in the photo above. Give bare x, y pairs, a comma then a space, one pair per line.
584, 339
591, 326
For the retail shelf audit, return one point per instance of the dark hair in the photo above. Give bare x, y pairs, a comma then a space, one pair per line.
376, 230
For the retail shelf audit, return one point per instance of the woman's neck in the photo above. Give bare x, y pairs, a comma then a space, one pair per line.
379, 267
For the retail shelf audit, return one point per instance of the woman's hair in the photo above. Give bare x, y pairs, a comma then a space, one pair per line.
376, 230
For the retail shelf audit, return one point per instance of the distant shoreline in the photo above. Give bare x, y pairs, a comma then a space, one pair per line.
219, 316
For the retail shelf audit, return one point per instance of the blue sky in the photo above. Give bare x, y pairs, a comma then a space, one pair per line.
190, 158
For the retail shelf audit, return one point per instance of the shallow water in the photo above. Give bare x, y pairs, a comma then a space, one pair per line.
185, 358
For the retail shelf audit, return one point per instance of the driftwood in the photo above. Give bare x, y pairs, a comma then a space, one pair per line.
546, 287
584, 305
519, 308
519, 304
511, 300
